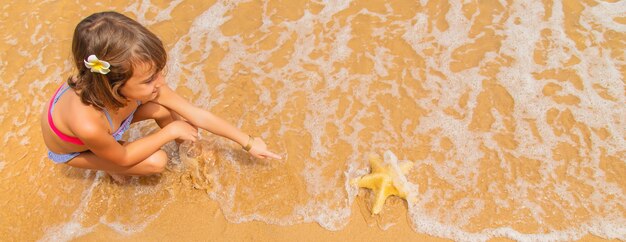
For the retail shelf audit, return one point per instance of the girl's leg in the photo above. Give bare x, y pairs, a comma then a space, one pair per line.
154, 164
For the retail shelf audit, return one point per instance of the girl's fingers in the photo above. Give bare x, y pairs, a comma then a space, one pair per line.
272, 155
267, 154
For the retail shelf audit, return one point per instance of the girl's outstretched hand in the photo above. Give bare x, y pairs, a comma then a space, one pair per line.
259, 150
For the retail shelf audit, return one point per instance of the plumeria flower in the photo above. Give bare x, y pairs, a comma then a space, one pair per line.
97, 65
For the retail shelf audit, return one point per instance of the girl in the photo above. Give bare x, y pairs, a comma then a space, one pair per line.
119, 82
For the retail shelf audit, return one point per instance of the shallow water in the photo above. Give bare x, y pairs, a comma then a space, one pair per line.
513, 113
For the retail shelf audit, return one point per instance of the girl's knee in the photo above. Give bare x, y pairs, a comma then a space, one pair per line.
156, 162
154, 111
163, 115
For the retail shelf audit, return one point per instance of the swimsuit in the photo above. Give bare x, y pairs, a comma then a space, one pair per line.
62, 158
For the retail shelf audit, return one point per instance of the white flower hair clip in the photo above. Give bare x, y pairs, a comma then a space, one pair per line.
97, 65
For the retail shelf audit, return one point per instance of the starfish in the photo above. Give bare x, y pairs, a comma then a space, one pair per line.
383, 180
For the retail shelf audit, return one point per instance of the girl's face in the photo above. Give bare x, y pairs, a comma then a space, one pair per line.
144, 84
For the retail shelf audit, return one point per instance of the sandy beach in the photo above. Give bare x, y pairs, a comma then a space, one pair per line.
510, 114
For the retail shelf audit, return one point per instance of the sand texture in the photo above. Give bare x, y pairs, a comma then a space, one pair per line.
512, 114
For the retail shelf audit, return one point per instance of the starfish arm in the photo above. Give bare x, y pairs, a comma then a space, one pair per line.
381, 197
386, 191
377, 164
371, 181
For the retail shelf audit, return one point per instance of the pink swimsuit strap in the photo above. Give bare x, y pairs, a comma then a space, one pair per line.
61, 135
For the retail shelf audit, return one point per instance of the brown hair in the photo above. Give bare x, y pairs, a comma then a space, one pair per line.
122, 42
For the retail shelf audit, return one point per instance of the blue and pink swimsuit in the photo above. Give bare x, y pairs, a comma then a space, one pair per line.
62, 158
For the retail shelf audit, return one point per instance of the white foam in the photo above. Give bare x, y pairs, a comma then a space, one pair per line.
312, 174
37, 40
73, 228
10, 40
461, 164
206, 25
330, 218
141, 9
605, 12
66, 232
128, 229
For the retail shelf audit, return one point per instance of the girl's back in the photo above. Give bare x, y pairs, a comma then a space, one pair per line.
68, 113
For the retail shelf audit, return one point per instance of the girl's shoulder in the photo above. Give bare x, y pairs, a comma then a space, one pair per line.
66, 117
84, 120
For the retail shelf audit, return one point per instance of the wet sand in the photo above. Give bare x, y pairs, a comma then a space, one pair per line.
200, 219
512, 113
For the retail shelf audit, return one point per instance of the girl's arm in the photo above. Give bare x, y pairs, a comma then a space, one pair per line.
103, 145
210, 122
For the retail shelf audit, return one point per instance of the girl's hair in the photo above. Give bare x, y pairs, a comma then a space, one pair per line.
122, 42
